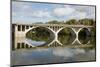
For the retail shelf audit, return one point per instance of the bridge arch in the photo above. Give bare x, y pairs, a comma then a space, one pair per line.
77, 34
86, 30
49, 29
67, 39
52, 33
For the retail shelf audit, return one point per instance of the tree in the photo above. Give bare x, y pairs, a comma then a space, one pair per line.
72, 21
87, 21
55, 22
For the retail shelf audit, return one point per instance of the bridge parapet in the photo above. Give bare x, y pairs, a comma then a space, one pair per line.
63, 25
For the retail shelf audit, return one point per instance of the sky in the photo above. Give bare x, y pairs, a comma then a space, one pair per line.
32, 12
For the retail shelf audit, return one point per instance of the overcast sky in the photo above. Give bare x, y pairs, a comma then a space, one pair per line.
30, 12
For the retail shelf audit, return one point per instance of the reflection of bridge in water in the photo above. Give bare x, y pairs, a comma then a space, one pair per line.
21, 30
22, 43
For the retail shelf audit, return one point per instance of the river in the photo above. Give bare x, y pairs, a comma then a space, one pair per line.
58, 54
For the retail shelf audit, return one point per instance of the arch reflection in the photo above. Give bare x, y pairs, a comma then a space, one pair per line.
84, 36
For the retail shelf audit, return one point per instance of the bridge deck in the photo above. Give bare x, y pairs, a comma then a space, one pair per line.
63, 25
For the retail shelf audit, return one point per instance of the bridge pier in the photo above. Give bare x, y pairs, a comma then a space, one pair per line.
55, 39
19, 32
76, 31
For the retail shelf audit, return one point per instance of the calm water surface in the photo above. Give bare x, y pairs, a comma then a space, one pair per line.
52, 54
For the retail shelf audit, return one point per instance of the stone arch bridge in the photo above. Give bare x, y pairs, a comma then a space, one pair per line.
22, 29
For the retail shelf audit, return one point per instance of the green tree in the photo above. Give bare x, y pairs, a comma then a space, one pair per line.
87, 21
72, 21
55, 22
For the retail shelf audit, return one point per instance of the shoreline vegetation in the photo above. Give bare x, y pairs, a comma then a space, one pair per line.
85, 21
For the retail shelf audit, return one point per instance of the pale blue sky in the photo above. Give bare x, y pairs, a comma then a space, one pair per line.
30, 12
